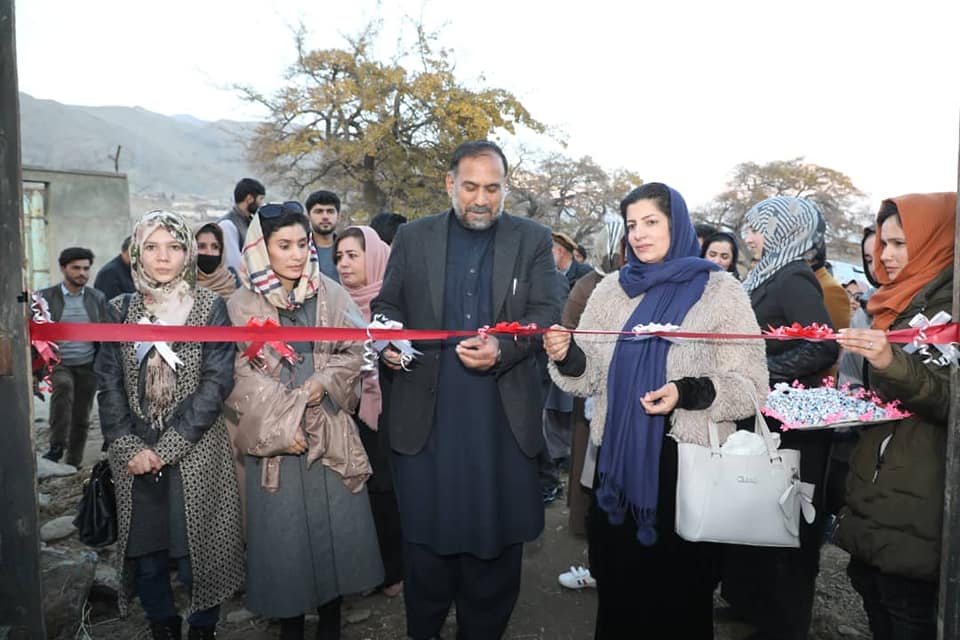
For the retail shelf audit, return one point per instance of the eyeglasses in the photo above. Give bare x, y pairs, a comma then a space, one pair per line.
275, 210
855, 295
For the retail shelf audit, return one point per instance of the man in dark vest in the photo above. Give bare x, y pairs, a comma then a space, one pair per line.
464, 418
248, 195
74, 383
114, 278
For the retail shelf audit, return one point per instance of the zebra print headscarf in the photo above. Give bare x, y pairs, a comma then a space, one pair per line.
790, 228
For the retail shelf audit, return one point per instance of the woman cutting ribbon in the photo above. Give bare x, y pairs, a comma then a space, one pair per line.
649, 394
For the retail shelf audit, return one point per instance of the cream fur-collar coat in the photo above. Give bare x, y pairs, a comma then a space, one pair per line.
738, 368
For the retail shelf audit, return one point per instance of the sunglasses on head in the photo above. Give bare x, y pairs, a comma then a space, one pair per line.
276, 209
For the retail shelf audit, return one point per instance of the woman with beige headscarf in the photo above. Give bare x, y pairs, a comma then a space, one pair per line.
161, 408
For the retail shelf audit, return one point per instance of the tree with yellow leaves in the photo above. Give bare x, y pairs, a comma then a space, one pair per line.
377, 130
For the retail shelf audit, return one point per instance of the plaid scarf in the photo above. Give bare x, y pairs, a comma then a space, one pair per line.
261, 278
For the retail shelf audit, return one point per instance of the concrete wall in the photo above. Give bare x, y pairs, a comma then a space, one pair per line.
83, 209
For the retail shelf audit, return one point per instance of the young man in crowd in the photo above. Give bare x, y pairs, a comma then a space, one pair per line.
323, 207
74, 382
248, 195
114, 278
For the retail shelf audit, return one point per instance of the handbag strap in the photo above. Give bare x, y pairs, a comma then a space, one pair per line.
759, 427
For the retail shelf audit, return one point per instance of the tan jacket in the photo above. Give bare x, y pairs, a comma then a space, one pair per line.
264, 414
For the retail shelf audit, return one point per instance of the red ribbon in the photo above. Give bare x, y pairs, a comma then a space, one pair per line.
514, 329
46, 350
104, 332
256, 348
797, 331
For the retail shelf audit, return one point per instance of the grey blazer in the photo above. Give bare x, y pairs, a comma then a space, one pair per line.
525, 289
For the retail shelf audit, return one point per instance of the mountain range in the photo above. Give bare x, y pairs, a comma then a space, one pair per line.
179, 156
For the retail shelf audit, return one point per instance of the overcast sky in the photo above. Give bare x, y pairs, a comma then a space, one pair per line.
678, 91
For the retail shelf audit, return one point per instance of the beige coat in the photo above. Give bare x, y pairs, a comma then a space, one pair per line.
738, 368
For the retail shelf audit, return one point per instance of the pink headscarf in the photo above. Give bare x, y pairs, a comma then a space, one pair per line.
375, 256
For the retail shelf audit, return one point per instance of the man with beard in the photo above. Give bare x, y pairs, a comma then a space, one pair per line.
464, 417
73, 380
324, 210
248, 195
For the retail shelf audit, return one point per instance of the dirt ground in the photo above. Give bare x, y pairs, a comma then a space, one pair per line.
545, 610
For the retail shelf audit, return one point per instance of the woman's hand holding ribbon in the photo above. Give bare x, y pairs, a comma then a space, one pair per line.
556, 342
872, 344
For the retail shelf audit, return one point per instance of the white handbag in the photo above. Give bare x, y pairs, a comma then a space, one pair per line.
741, 499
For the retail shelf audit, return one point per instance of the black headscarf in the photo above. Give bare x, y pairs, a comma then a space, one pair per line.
723, 236
867, 232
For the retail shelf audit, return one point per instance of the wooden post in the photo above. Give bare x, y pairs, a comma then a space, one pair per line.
21, 607
948, 625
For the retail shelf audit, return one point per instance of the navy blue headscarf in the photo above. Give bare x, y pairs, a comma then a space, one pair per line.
629, 462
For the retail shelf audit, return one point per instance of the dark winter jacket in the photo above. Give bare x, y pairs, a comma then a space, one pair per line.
794, 295
114, 279
894, 511
576, 271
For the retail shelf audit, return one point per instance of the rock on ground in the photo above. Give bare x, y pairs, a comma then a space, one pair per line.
106, 578
57, 529
67, 575
50, 469
239, 616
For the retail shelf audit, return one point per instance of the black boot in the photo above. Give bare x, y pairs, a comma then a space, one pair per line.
169, 629
291, 628
328, 620
202, 633
54, 454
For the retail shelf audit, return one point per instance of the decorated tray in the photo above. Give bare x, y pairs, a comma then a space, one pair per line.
827, 407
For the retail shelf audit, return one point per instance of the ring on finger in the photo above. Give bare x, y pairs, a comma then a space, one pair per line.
869, 345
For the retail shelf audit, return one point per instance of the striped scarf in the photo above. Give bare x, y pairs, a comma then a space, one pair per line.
790, 227
261, 278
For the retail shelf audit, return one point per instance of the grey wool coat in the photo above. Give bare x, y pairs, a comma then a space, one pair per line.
195, 439
737, 368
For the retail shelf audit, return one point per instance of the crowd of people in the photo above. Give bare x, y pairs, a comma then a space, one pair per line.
301, 475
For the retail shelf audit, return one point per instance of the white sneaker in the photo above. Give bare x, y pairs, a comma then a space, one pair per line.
577, 578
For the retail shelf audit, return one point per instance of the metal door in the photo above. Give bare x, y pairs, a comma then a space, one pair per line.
37, 269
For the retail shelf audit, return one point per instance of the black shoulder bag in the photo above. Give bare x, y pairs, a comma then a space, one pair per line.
96, 520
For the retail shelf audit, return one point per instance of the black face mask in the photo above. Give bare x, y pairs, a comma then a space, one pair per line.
208, 264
